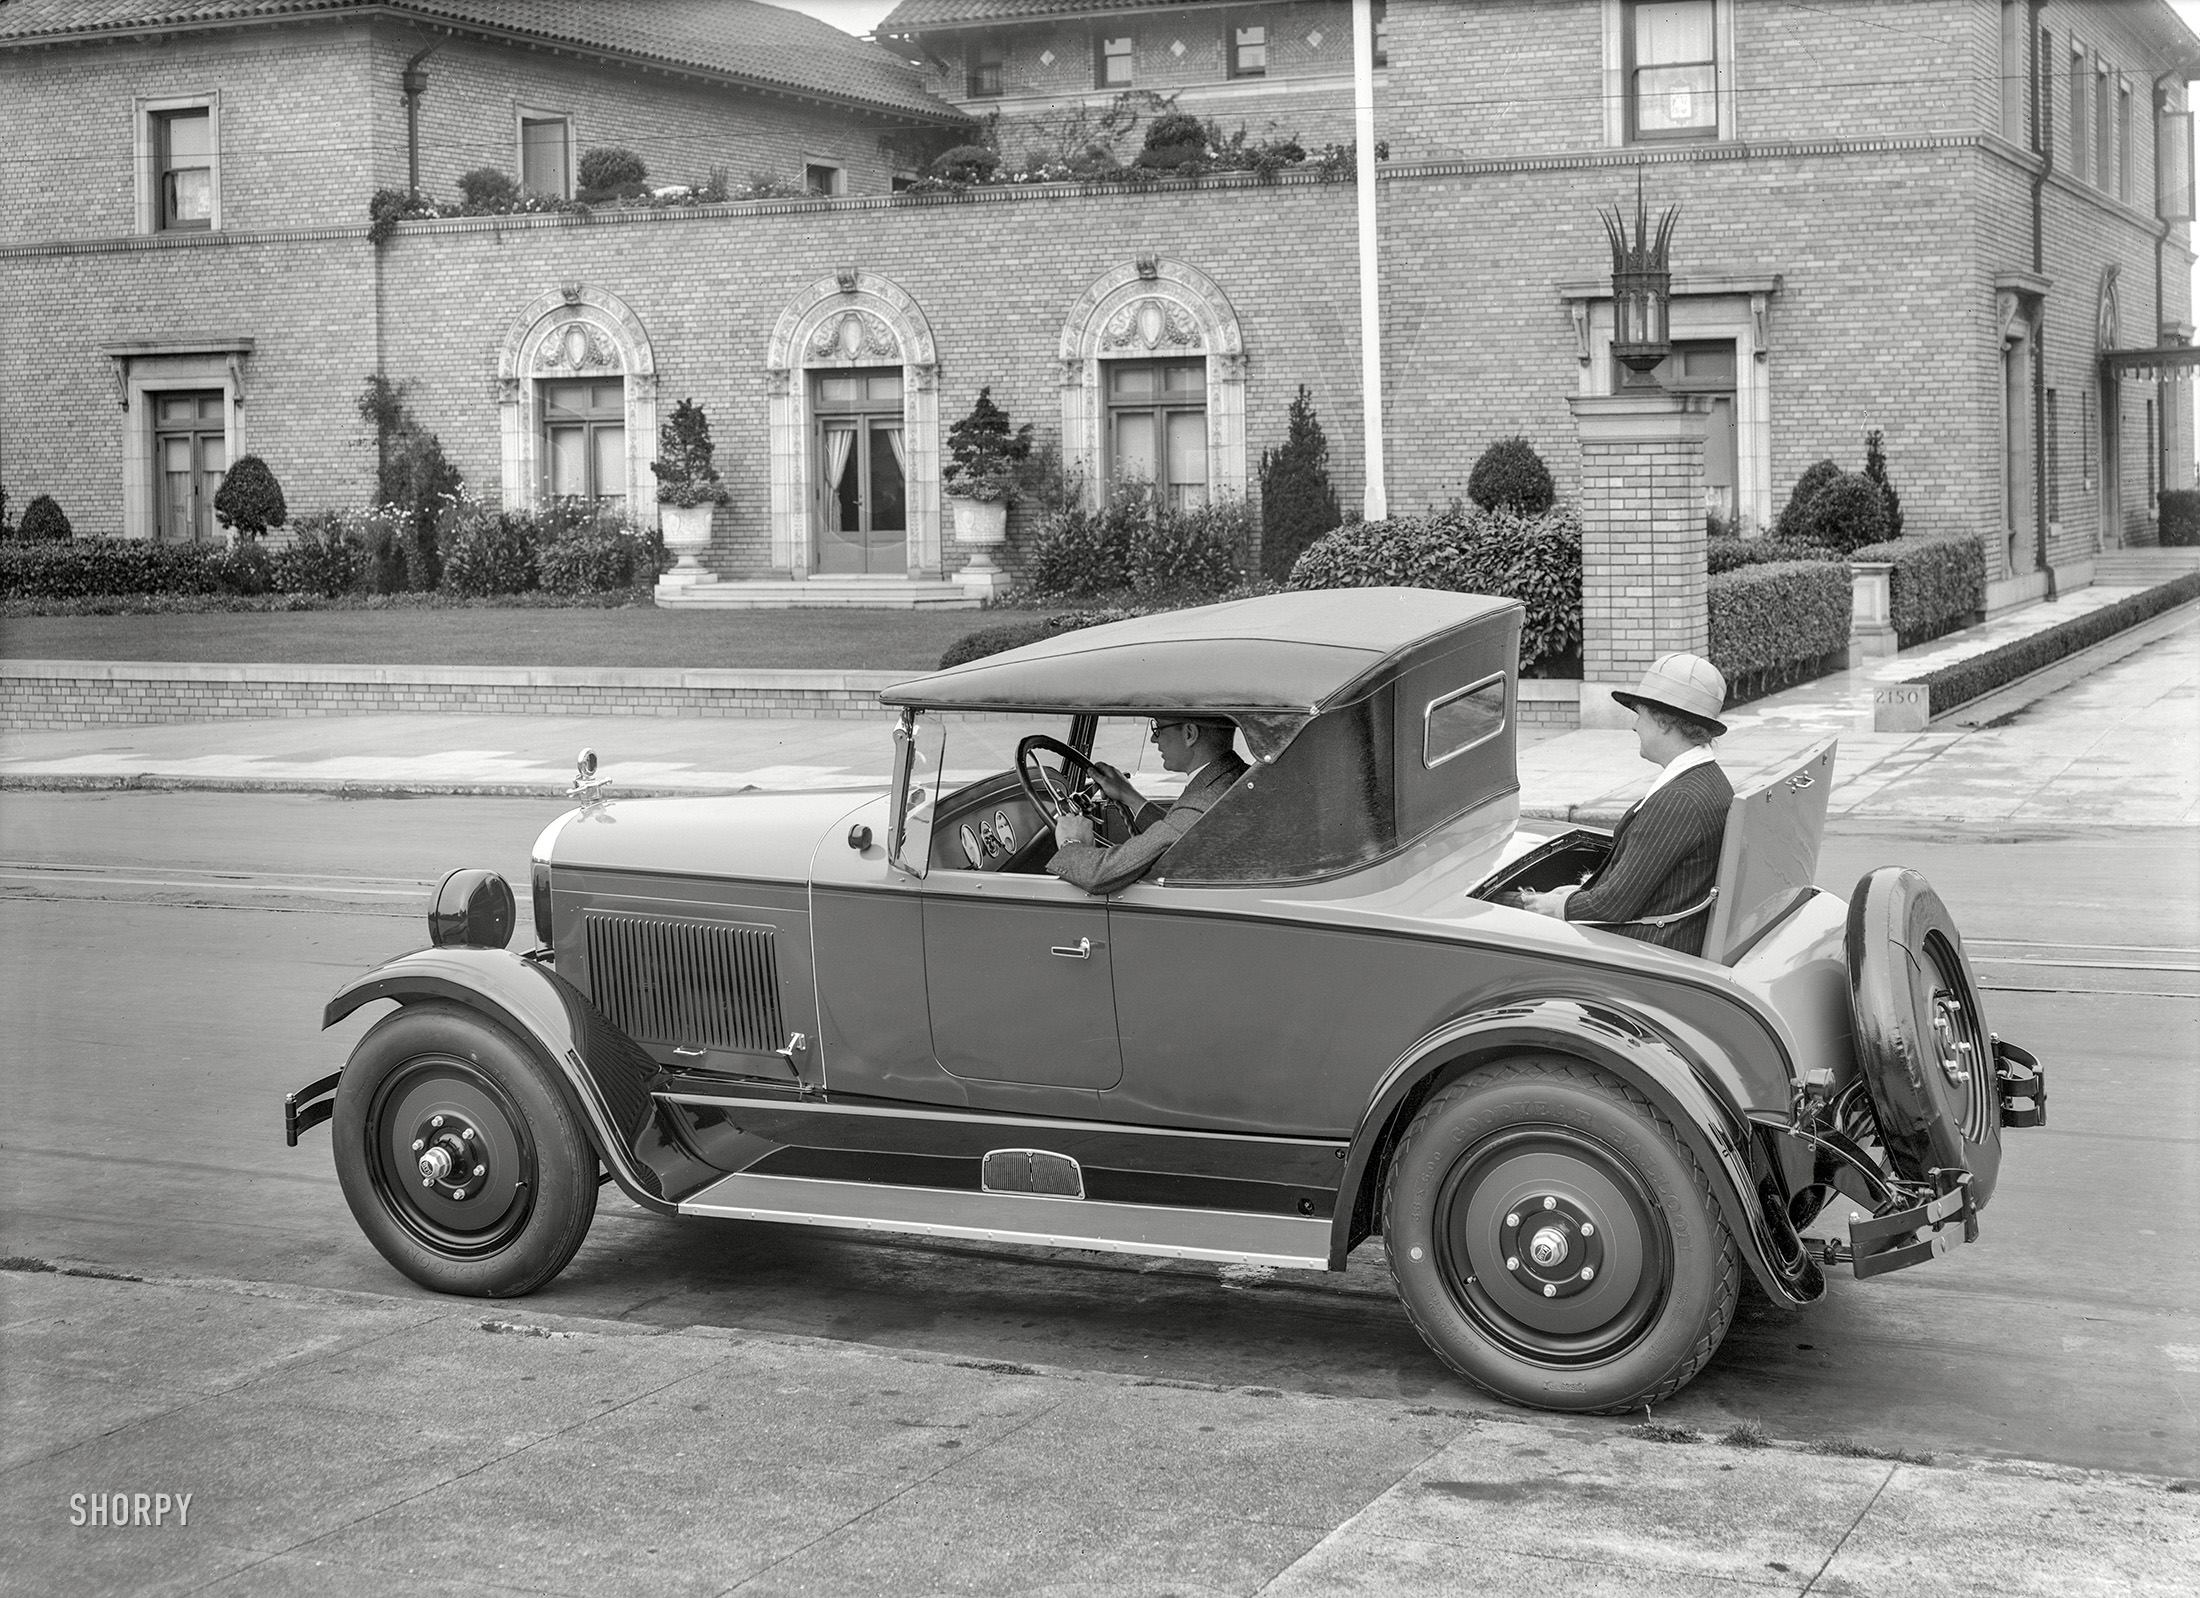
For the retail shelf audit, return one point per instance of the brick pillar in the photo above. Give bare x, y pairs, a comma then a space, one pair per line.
1642, 540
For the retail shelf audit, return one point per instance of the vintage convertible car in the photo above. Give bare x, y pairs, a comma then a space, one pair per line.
1318, 1021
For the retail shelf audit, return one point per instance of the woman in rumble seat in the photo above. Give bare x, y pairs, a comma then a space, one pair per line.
1657, 883
1198, 746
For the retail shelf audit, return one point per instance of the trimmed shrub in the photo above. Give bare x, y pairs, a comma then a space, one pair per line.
1787, 525
250, 499
2180, 517
43, 521
325, 558
609, 170
1534, 559
86, 567
590, 558
7, 528
1848, 512
1961, 681
966, 163
1174, 140
1937, 583
1875, 468
485, 551
1132, 544
1772, 624
413, 482
1511, 476
1014, 635
243, 569
488, 188
1725, 554
1297, 503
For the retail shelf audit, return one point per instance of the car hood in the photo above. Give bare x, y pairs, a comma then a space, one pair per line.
751, 835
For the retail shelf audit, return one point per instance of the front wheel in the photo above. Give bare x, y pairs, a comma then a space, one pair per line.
461, 1158
1555, 1242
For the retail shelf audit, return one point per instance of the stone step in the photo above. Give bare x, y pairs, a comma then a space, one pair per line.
2145, 565
854, 593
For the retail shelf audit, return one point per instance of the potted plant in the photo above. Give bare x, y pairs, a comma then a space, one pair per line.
688, 487
988, 463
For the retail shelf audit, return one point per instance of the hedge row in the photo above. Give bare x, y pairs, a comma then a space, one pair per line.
1725, 554
1965, 680
79, 568
2180, 517
1778, 618
1936, 584
1014, 635
1534, 559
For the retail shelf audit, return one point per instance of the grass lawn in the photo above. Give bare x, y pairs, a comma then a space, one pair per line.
809, 640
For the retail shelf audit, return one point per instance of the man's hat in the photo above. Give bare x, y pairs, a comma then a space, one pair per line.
1689, 684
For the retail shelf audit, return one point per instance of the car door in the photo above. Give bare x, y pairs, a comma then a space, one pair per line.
1021, 980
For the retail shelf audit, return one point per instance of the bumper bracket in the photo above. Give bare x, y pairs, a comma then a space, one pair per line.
309, 1107
2022, 1082
1917, 1232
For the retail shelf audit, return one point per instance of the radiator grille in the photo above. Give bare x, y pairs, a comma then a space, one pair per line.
698, 984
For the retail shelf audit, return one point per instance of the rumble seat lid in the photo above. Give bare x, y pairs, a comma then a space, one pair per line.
1273, 662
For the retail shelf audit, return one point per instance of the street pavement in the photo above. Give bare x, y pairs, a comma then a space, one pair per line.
2141, 767
346, 1442
341, 1441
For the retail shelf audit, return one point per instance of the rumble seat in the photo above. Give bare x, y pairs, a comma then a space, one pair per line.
1770, 856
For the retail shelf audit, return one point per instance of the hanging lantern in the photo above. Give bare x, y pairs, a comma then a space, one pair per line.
1642, 285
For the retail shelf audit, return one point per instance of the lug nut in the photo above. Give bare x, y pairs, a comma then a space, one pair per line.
1510, 1220
1549, 1203
1513, 1264
481, 1170
1587, 1230
467, 1134
1588, 1273
427, 1181
438, 1121
1549, 1291
418, 1145
461, 1193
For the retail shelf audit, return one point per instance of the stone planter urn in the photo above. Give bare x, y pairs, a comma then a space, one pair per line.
687, 535
981, 526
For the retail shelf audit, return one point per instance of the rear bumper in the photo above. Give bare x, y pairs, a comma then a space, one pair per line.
309, 1107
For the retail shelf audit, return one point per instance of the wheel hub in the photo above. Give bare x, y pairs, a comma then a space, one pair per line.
451, 1155
1551, 1246
1951, 1038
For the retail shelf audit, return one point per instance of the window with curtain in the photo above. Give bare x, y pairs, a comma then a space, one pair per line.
1672, 69
1157, 428
986, 69
1249, 50
184, 166
863, 472
1111, 61
584, 434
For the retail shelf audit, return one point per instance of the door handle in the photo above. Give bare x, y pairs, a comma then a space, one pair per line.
1081, 950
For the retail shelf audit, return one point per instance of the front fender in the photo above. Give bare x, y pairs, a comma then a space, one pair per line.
606, 1073
1607, 1037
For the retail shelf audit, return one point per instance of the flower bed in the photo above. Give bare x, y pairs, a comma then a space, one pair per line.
1777, 624
1965, 680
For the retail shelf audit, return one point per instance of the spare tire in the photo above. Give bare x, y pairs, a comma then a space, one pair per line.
1921, 1040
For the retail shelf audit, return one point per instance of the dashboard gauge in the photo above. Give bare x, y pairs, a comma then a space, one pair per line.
972, 850
1005, 830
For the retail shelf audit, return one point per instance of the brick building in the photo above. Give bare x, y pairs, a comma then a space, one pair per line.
1938, 218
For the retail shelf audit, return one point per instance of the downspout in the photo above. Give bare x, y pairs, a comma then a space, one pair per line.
1376, 503
2043, 146
415, 84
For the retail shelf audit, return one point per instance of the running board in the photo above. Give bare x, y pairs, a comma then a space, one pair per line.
1233, 1236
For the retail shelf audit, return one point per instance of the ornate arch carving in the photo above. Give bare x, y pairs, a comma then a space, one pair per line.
851, 318
575, 330
1147, 308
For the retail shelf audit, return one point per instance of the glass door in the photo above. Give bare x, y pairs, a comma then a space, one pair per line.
862, 523
1706, 367
190, 454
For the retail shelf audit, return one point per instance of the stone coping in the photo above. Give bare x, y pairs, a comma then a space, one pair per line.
639, 678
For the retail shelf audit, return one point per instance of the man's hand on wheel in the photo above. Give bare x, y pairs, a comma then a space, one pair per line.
1117, 787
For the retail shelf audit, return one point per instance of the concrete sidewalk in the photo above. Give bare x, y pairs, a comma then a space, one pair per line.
340, 1442
2136, 762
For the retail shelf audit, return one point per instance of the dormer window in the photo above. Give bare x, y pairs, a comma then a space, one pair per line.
1249, 50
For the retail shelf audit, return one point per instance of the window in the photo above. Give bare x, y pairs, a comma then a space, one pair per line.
2012, 75
863, 516
2173, 195
1249, 50
190, 454
2054, 459
2154, 485
1157, 428
546, 156
2123, 143
1672, 70
2081, 78
183, 166
1462, 719
1111, 61
824, 177
584, 426
985, 69
1382, 34
2085, 439
2104, 131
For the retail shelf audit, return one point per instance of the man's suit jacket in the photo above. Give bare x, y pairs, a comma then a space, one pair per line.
1099, 869
1665, 857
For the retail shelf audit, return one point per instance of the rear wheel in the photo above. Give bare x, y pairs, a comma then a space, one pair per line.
1554, 1240
460, 1156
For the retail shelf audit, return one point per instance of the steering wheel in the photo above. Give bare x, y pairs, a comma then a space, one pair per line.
1049, 791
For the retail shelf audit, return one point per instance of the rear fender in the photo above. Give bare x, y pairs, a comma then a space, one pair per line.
1614, 1041
606, 1074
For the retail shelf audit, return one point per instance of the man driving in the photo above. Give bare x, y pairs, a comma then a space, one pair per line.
1198, 746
